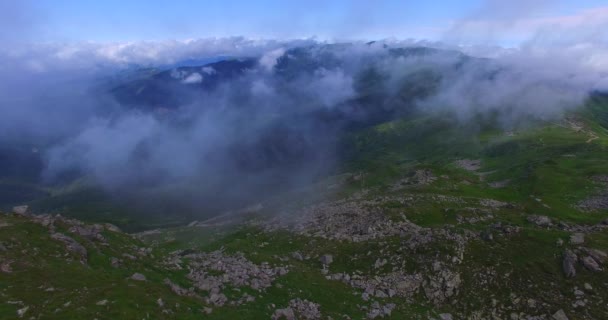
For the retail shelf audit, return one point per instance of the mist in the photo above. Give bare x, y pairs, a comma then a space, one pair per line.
213, 140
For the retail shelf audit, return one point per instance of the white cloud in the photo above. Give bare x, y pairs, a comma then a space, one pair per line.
193, 78
269, 59
208, 70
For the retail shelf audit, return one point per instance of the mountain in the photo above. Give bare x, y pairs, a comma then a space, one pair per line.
172, 88
373, 204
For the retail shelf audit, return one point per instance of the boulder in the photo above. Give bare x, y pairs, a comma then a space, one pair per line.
286, 314
71, 245
21, 210
560, 315
327, 259
568, 263
138, 277
590, 264
541, 221
577, 238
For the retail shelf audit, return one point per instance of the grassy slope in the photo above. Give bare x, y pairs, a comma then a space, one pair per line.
548, 167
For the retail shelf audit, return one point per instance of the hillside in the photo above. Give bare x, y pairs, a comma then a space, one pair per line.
432, 219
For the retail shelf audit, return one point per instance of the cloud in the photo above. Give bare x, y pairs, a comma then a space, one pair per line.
269, 127
193, 78
269, 59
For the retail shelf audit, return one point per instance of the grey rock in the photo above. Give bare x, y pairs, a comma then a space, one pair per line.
327, 259
286, 314
298, 256
568, 263
21, 210
560, 315
102, 302
445, 316
21, 312
591, 264
577, 238
177, 289
598, 255
115, 262
541, 221
217, 299
71, 245
138, 277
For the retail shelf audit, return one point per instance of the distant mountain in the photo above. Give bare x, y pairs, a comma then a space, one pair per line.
172, 88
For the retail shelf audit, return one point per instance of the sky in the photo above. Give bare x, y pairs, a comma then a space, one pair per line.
500, 22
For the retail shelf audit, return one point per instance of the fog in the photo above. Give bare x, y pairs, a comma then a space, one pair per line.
276, 125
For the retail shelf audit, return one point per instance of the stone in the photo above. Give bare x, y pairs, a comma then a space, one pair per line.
591, 264
568, 263
588, 287
445, 316
71, 245
21, 210
560, 315
21, 312
380, 294
598, 255
102, 302
327, 259
541, 221
577, 238
286, 314
298, 256
115, 262
218, 299
138, 277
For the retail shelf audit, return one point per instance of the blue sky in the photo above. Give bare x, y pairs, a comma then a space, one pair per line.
132, 20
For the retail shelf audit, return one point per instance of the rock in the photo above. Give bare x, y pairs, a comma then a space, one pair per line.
21, 312
115, 262
568, 263
469, 164
111, 227
560, 315
129, 256
138, 277
598, 255
591, 264
487, 236
442, 286
176, 288
577, 238
102, 302
286, 314
71, 245
21, 210
160, 302
380, 263
380, 294
298, 256
377, 310
541, 221
445, 316
588, 287
327, 259
217, 299
207, 310
305, 309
